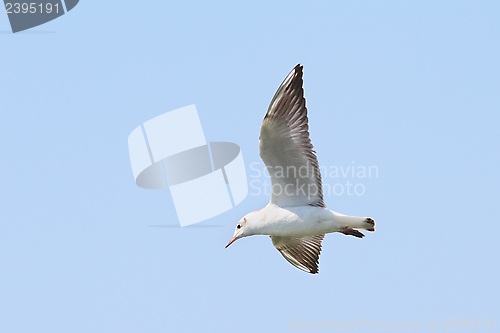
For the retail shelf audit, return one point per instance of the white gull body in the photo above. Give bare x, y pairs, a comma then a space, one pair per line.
296, 217
300, 221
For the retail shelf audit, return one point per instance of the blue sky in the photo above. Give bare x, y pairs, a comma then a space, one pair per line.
411, 88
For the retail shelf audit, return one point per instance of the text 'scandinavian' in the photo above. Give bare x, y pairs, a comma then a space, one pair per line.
296, 218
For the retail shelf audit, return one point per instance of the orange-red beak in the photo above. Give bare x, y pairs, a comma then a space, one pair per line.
231, 241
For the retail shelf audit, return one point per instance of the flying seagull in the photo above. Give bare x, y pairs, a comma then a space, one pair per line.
296, 218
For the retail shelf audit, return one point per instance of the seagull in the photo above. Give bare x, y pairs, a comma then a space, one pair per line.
296, 218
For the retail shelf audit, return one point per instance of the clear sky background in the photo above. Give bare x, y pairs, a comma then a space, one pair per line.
409, 87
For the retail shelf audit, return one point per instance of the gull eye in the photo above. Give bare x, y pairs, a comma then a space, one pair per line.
238, 226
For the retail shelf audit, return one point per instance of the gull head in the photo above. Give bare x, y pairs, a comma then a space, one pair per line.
242, 229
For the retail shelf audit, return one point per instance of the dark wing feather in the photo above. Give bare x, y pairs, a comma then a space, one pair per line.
302, 252
286, 149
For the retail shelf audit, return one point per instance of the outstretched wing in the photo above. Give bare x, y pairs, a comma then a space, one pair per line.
286, 149
302, 252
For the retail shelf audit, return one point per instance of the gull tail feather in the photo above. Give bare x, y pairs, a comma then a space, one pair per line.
367, 224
